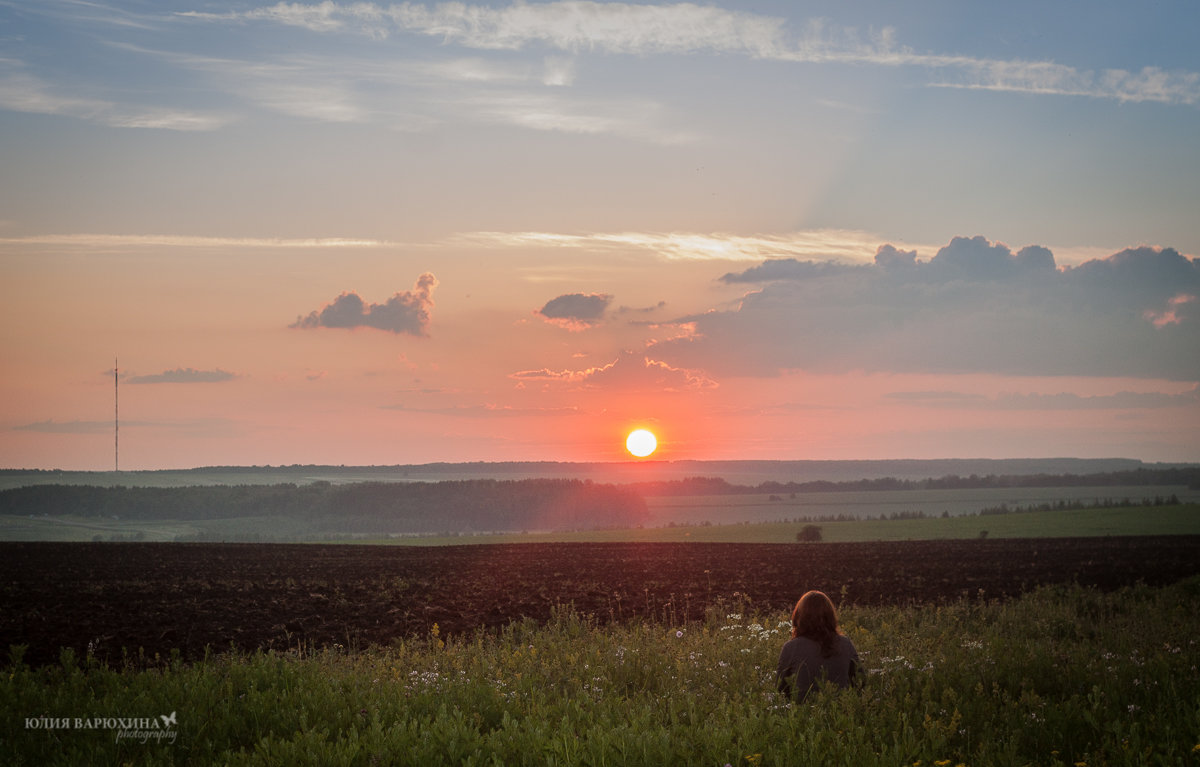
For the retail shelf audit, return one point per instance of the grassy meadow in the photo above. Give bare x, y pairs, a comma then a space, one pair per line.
1061, 676
1181, 519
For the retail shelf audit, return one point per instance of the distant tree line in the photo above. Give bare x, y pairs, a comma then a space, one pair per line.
1189, 477
1099, 503
483, 505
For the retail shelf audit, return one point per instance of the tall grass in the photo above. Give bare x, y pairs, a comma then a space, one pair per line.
1062, 676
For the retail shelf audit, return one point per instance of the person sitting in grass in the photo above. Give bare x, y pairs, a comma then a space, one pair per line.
817, 651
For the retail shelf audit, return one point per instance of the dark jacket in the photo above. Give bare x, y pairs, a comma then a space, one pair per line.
802, 667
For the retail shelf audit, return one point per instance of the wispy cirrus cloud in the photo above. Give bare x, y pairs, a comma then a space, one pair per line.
685, 28
490, 411
51, 426
22, 92
1122, 400
183, 375
826, 244
415, 93
197, 427
103, 241
631, 371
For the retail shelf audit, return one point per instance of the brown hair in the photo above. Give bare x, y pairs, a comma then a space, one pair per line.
815, 618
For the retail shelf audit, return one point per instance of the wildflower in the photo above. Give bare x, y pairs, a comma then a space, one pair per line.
679, 634
754, 759
942, 763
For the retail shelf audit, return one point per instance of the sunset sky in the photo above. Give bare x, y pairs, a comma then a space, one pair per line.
372, 233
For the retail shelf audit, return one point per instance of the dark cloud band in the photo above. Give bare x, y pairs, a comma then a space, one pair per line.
976, 306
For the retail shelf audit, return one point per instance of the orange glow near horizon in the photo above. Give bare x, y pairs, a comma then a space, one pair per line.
641, 443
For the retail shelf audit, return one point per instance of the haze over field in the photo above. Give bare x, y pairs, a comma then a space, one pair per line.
378, 234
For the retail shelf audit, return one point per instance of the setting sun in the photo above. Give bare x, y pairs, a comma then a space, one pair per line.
641, 443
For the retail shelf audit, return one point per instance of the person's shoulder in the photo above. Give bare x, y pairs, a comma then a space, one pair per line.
800, 644
845, 645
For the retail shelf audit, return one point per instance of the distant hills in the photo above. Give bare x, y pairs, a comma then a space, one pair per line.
751, 473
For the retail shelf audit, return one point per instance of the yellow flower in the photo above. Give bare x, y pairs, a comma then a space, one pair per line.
754, 759
942, 762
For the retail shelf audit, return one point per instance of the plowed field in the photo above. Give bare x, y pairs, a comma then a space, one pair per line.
162, 597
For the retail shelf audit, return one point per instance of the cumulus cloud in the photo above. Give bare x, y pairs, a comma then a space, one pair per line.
576, 311
787, 269
630, 371
183, 375
406, 312
975, 306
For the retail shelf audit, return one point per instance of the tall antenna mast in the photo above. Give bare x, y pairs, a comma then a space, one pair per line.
116, 417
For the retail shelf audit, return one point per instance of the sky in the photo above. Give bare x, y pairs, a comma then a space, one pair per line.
372, 233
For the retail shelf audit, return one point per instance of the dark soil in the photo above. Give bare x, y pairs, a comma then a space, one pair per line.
118, 598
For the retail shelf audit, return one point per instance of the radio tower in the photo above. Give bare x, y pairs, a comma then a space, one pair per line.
116, 418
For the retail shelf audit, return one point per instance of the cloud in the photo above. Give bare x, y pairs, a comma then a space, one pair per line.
642, 309
1123, 400
829, 244
578, 26
490, 411
196, 427
576, 311
51, 426
1150, 84
786, 269
187, 241
183, 375
21, 92
637, 119
976, 306
407, 312
1169, 315
630, 371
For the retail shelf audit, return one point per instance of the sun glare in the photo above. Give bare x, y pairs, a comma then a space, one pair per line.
641, 443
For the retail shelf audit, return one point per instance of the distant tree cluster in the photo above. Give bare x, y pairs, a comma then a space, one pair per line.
368, 507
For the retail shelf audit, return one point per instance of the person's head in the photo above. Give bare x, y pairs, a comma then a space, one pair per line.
815, 618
